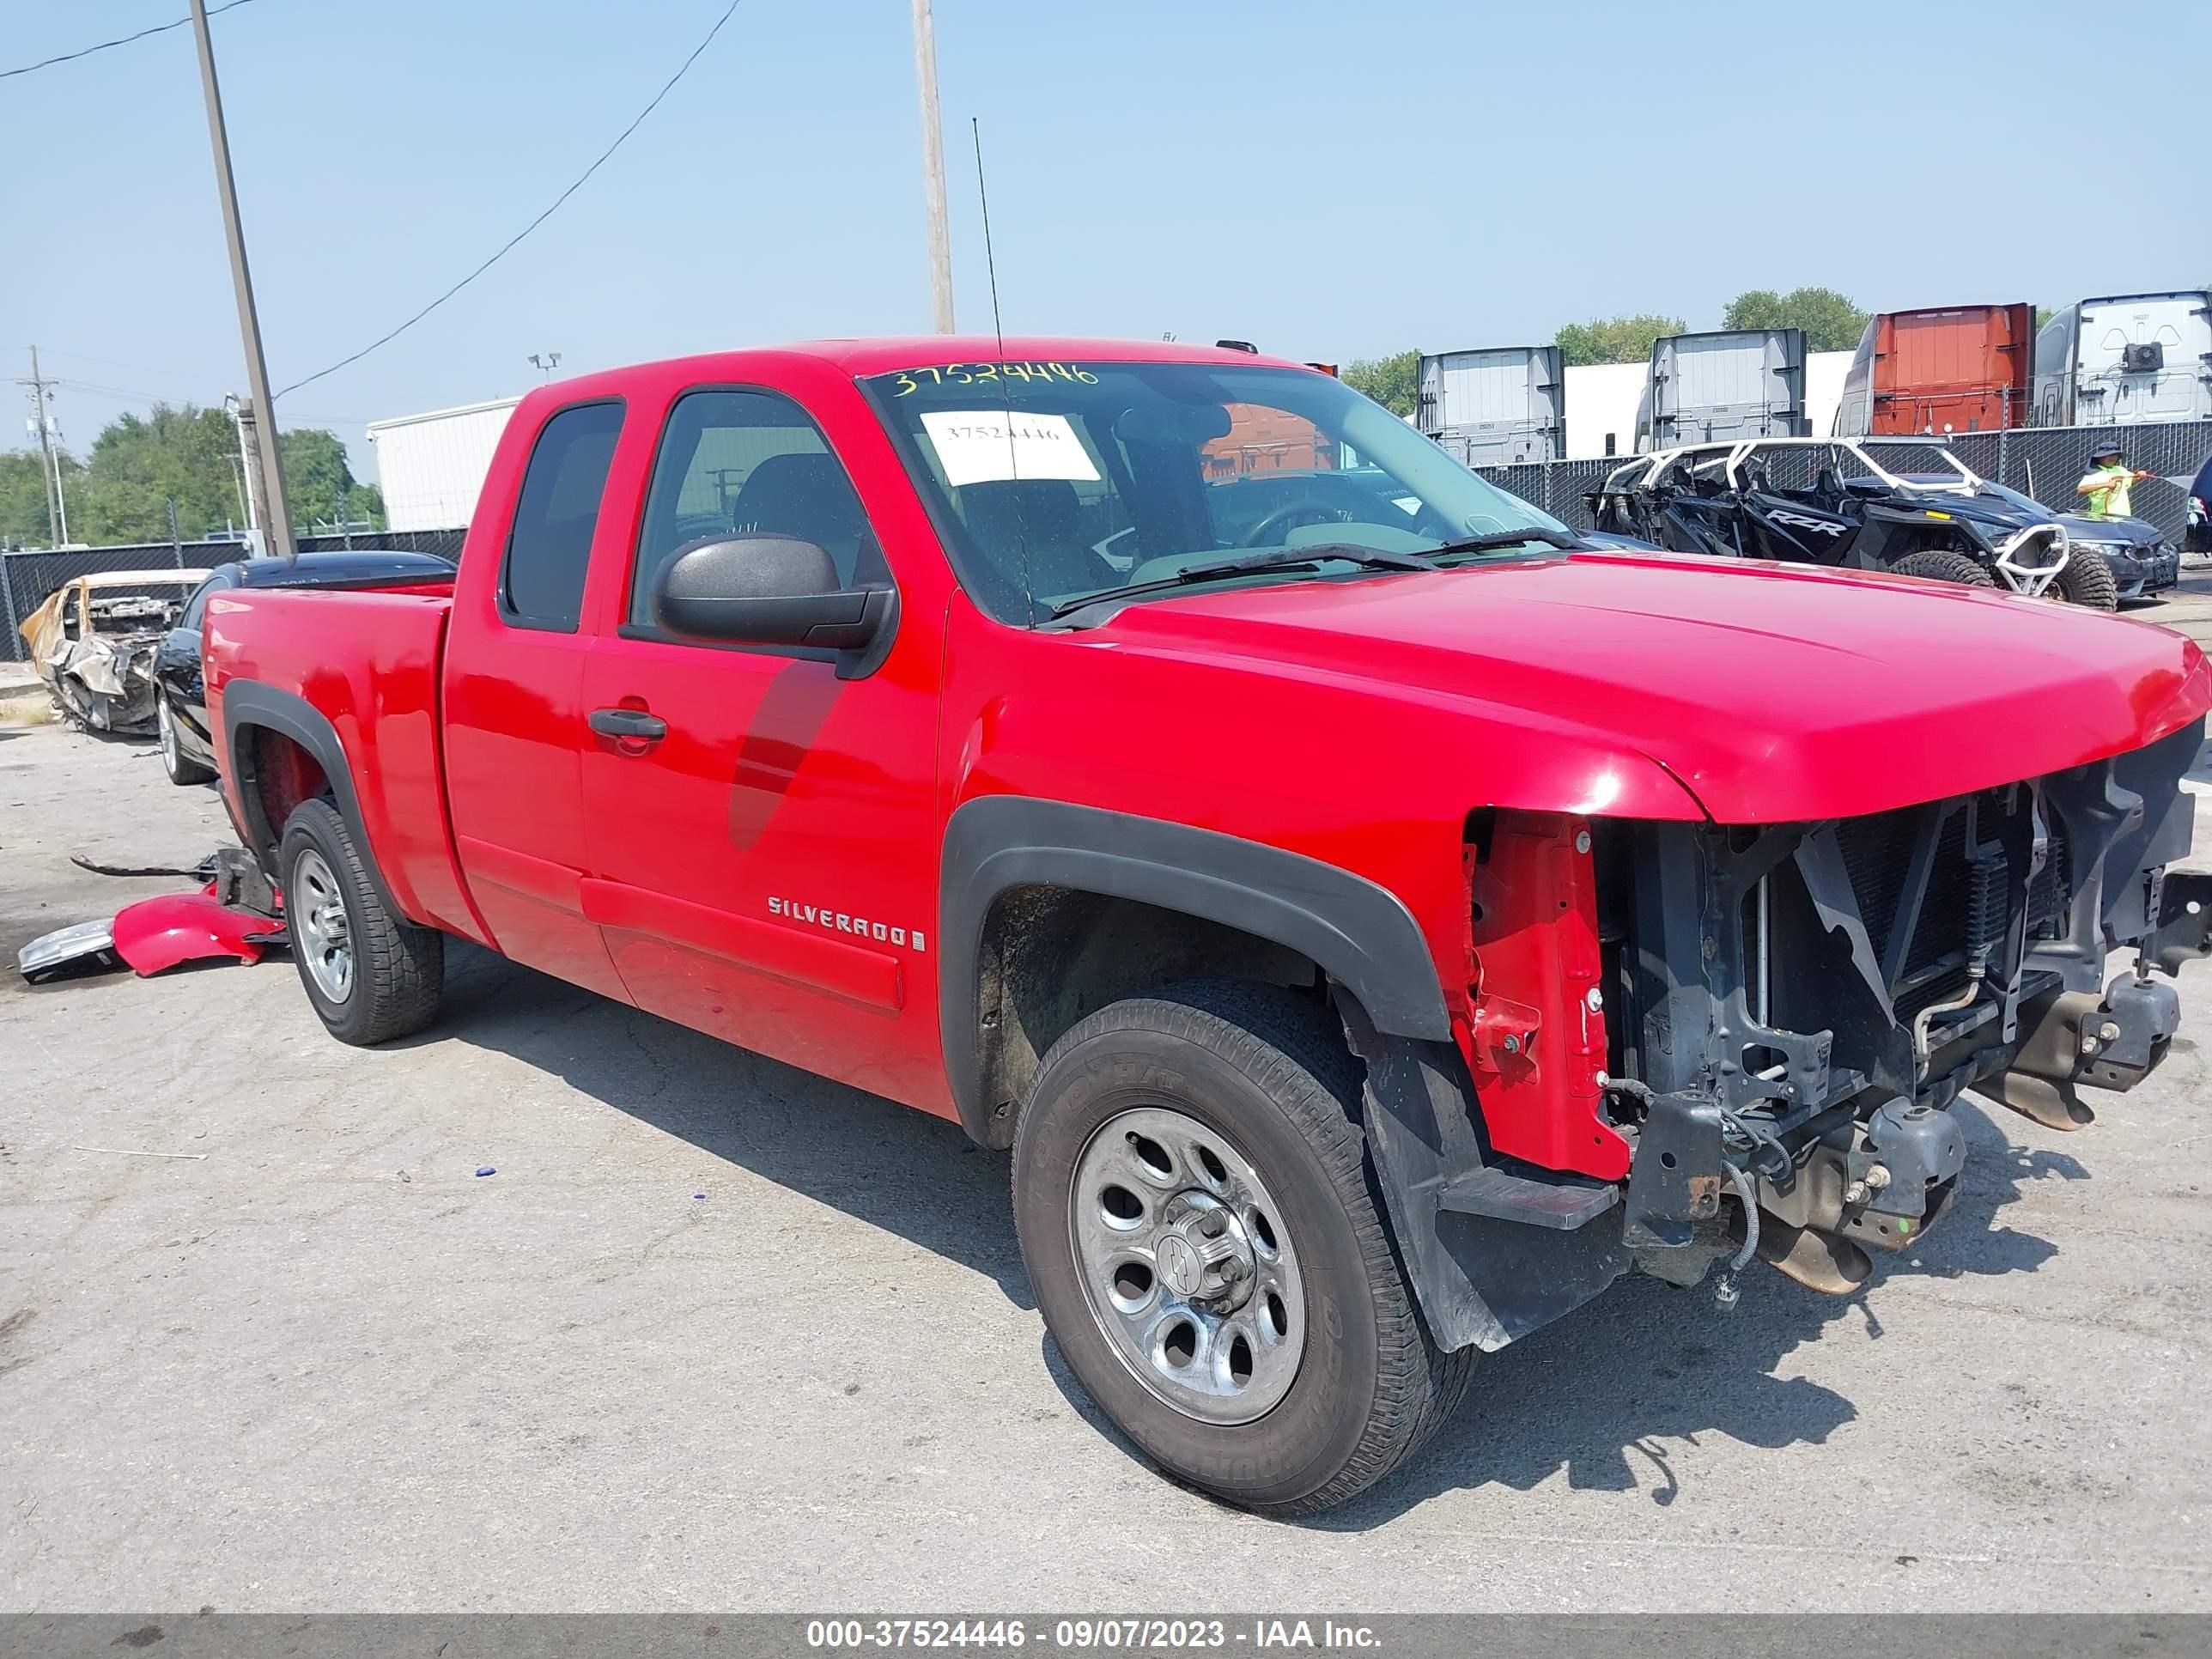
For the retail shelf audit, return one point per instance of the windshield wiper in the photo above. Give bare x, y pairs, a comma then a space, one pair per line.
1504, 539
1250, 564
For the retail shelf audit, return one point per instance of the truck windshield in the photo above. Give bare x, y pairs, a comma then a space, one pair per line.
1051, 481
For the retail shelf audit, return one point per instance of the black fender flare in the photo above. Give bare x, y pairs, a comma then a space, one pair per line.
249, 703
1359, 932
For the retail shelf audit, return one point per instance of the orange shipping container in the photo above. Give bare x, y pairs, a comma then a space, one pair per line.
1962, 368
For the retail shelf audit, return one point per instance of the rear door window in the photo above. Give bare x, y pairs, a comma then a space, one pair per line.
542, 582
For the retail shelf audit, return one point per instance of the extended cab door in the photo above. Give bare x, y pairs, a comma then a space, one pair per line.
762, 846
512, 685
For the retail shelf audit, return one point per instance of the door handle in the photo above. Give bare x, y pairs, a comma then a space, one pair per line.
634, 724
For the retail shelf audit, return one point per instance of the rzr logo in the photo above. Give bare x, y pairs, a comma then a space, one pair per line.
1826, 526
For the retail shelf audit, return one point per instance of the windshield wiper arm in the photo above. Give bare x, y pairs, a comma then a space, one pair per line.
1503, 539
1250, 564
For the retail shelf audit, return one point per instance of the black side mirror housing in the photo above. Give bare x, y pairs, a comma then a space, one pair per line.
767, 590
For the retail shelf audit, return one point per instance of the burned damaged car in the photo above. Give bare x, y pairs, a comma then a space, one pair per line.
93, 640
1907, 505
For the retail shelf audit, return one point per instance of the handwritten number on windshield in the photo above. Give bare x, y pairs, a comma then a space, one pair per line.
906, 382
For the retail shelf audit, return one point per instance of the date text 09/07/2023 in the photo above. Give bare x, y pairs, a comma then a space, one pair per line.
1113, 1635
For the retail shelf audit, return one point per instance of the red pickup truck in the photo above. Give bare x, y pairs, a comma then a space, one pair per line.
1375, 917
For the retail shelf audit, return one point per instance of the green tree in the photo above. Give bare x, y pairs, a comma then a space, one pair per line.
1614, 339
140, 463
1391, 381
23, 497
319, 484
2043, 316
1830, 322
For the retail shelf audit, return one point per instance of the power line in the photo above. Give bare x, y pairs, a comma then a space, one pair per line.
123, 393
176, 401
386, 339
121, 41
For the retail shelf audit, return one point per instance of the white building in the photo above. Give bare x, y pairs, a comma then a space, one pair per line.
432, 466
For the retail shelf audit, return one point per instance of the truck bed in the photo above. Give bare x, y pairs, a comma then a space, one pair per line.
369, 662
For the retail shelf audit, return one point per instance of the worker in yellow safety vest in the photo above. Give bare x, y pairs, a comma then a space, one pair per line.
2108, 483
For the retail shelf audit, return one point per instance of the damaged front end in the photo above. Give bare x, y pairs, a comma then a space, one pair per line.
1666, 1017
1800, 1003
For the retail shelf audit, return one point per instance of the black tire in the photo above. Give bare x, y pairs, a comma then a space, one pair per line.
1268, 1072
397, 968
1943, 564
2088, 580
181, 768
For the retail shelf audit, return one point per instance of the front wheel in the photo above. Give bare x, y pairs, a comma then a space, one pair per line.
181, 768
2088, 579
1192, 1199
371, 975
1943, 564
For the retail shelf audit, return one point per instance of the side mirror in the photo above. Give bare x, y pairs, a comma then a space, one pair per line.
766, 590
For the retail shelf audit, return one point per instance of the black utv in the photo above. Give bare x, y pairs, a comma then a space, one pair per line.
1852, 503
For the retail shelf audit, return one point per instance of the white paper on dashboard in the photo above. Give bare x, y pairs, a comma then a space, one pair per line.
988, 446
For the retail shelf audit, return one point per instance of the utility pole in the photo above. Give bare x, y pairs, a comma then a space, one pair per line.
46, 472
275, 514
932, 167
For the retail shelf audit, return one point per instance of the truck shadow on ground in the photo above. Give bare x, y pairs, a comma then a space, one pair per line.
1609, 1392
1605, 1394
909, 1173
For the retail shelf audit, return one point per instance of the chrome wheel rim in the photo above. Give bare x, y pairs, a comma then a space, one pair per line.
166, 724
1187, 1267
320, 932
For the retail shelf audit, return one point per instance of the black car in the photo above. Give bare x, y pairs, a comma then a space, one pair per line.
1850, 502
180, 696
2145, 564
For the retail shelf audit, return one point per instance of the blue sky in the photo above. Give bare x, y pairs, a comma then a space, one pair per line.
1330, 180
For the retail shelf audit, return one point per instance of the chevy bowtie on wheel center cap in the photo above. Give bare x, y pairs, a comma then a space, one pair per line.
1203, 1254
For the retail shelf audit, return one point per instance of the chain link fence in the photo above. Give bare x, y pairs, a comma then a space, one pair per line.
2044, 463
1559, 487
28, 579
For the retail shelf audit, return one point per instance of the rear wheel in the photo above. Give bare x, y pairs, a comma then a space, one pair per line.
371, 975
1192, 1197
180, 767
1943, 564
2088, 580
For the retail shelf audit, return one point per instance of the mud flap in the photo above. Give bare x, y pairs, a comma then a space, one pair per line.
1480, 1279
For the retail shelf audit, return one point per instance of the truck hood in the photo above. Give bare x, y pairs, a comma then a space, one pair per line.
1771, 692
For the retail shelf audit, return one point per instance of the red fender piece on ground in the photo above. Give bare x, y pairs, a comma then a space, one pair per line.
156, 934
